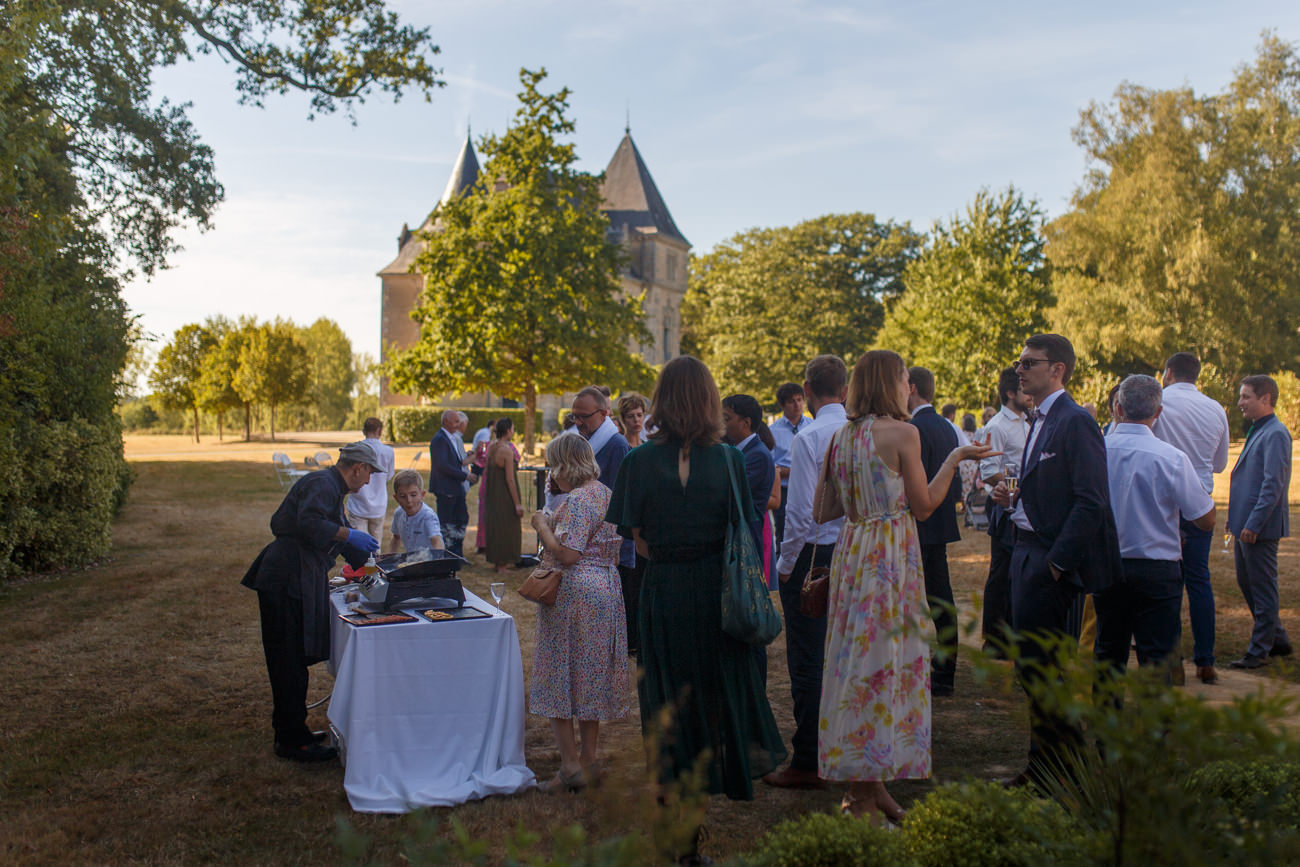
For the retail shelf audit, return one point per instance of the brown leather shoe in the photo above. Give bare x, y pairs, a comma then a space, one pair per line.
791, 778
1207, 674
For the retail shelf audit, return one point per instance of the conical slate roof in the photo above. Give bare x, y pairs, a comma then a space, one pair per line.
463, 175
631, 197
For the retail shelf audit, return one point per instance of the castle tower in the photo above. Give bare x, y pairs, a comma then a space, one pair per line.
401, 288
658, 255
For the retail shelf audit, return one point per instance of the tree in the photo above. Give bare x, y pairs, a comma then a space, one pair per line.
1185, 234
763, 302
273, 367
980, 287
217, 379
522, 292
176, 373
330, 377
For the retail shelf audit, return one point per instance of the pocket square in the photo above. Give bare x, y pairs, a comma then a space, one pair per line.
1046, 456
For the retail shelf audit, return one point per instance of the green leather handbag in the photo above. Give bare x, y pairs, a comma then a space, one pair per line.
747, 611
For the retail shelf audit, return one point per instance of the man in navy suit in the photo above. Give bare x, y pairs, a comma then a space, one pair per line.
1066, 543
938, 439
1258, 516
447, 481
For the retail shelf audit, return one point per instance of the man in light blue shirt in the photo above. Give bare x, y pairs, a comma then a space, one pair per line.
1152, 483
790, 397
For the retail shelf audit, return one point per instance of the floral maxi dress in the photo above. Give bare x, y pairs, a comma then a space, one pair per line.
875, 702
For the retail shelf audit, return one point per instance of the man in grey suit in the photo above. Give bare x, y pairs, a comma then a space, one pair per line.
1258, 516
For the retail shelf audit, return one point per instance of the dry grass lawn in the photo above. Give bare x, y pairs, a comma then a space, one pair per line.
134, 707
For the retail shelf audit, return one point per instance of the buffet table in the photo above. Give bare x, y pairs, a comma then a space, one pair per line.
428, 714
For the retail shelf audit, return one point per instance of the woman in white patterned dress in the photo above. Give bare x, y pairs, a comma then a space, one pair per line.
580, 667
875, 701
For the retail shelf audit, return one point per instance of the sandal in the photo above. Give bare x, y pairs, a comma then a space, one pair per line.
563, 782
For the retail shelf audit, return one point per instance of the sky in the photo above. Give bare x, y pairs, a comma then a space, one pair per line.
747, 114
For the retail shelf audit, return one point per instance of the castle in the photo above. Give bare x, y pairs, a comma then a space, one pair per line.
657, 258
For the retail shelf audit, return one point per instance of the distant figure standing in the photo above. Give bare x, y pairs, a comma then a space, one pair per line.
790, 397
1197, 426
504, 508
367, 508
1006, 432
1151, 484
1258, 516
939, 437
447, 481
632, 409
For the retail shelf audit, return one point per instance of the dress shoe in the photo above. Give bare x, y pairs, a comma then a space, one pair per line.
1249, 662
320, 737
1280, 650
1207, 674
312, 752
793, 778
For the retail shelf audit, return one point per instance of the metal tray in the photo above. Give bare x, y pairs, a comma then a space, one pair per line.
468, 612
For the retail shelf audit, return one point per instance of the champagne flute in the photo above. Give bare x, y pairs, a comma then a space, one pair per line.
1227, 544
498, 591
1011, 477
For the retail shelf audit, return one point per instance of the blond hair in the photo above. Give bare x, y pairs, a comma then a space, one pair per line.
407, 478
873, 388
571, 460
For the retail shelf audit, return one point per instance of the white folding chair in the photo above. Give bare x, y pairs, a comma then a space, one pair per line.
284, 470
323, 459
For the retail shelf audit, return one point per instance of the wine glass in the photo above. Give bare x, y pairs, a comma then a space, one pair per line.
1011, 476
498, 591
1227, 544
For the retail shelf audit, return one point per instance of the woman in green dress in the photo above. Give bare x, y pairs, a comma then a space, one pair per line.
673, 497
503, 510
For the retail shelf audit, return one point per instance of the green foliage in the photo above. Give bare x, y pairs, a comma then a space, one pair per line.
984, 825
522, 291
177, 372
1288, 400
1253, 790
217, 392
138, 414
1185, 234
327, 399
65, 479
418, 424
764, 302
273, 367
824, 840
979, 288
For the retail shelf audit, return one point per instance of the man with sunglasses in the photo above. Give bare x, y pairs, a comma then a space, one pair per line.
1065, 539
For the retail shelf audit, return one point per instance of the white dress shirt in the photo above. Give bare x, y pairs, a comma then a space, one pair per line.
1006, 432
806, 453
1018, 512
1198, 426
783, 431
371, 501
1151, 482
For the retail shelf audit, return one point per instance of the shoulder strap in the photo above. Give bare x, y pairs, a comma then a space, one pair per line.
735, 491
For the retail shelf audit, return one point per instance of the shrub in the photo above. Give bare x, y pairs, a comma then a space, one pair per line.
65, 481
1252, 791
979, 824
415, 424
825, 840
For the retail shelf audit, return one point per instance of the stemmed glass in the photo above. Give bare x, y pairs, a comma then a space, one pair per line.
1011, 476
498, 591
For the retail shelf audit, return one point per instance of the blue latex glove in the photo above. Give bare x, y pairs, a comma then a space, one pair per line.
363, 540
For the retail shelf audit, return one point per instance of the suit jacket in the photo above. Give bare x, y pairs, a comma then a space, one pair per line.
760, 472
446, 471
1257, 500
609, 459
938, 439
1065, 489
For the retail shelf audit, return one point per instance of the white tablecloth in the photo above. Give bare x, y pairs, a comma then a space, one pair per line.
428, 714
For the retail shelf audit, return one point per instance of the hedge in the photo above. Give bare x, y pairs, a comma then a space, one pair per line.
1253, 791
418, 424
65, 481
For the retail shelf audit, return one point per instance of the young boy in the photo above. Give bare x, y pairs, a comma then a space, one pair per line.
415, 525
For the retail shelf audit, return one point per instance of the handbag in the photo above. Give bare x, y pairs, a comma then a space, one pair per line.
747, 611
814, 595
542, 585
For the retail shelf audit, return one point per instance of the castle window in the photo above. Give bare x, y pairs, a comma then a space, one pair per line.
672, 268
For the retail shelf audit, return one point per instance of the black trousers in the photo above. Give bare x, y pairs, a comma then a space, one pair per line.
453, 515
1144, 609
778, 519
1043, 609
938, 591
630, 577
997, 587
285, 665
805, 655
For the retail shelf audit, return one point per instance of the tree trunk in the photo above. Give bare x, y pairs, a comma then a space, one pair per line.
272, 422
196, 424
220, 413
530, 409
248, 421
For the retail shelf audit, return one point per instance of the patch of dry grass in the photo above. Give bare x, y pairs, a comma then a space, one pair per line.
134, 707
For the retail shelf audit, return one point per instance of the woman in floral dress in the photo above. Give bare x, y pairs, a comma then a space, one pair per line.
580, 669
875, 701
